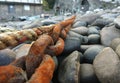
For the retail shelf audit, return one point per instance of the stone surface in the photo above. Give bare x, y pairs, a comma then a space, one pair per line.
48, 22
107, 66
23, 50
71, 44
81, 30
101, 22
33, 24
91, 53
94, 39
79, 24
89, 18
6, 56
118, 50
93, 30
117, 22
115, 42
83, 48
87, 74
108, 34
69, 69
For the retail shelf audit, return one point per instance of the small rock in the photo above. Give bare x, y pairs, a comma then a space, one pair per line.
71, 44
85, 47
118, 50
69, 69
48, 22
6, 56
114, 43
117, 22
93, 30
91, 52
89, 18
94, 39
87, 74
79, 24
101, 22
81, 30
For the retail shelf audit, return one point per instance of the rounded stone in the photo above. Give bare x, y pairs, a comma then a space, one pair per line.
91, 53
81, 30
87, 74
93, 30
107, 66
101, 22
94, 39
71, 44
117, 22
108, 34
48, 22
118, 50
114, 43
6, 56
79, 24
23, 50
69, 69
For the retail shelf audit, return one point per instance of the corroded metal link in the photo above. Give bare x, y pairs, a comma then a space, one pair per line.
36, 53
39, 66
44, 72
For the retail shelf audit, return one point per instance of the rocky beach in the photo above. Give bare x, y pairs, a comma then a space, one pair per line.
90, 54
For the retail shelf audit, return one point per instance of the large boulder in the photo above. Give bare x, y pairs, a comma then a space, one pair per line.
91, 53
108, 34
115, 42
87, 74
107, 66
69, 69
81, 30
6, 56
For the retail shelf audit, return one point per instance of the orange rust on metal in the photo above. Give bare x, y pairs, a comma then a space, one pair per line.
36, 53
58, 47
67, 28
7, 73
38, 65
63, 34
56, 32
44, 72
20, 62
68, 21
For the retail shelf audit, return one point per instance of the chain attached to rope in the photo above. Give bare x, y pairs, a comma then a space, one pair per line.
38, 63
